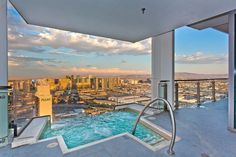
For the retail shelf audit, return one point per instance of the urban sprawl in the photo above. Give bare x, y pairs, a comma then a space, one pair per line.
90, 95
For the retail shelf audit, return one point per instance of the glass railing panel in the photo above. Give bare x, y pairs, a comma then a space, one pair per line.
196, 92
221, 89
187, 93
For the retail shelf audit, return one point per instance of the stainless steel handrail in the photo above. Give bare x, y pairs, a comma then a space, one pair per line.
173, 122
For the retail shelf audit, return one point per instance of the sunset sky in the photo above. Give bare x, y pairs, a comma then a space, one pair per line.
43, 52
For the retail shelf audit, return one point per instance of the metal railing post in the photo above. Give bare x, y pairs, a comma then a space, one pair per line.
185, 91
177, 95
198, 94
165, 95
213, 90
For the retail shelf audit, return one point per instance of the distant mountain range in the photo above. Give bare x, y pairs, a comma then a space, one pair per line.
181, 76
186, 76
178, 76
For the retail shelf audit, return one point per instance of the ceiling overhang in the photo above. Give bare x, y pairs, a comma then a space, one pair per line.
120, 19
219, 23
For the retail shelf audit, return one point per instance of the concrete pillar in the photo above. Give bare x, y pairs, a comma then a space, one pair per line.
163, 64
232, 72
3, 74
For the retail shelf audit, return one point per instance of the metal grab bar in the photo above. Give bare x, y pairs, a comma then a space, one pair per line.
173, 122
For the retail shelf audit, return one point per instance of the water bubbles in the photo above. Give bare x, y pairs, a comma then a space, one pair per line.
87, 129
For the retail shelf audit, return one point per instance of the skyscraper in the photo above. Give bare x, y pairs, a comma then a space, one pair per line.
44, 100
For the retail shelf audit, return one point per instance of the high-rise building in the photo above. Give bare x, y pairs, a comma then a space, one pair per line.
84, 83
27, 86
20, 84
44, 100
52, 84
92, 82
97, 83
104, 84
65, 83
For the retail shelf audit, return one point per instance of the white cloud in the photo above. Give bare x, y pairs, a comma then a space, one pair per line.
24, 61
13, 63
201, 58
102, 71
24, 37
41, 69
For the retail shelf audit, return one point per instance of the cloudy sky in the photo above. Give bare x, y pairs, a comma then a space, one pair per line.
43, 52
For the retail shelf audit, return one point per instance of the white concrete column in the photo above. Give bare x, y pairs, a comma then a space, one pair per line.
3, 74
163, 63
232, 71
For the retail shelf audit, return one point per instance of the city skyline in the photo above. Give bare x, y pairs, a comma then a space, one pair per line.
36, 52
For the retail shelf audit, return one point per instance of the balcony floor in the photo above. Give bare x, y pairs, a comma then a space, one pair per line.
203, 132
123, 146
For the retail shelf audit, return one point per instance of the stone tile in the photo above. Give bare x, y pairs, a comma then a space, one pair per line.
203, 131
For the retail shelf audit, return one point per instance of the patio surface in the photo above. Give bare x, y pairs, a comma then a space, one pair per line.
203, 132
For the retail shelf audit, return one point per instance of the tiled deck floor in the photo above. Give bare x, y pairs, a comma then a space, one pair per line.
35, 150
120, 147
203, 133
